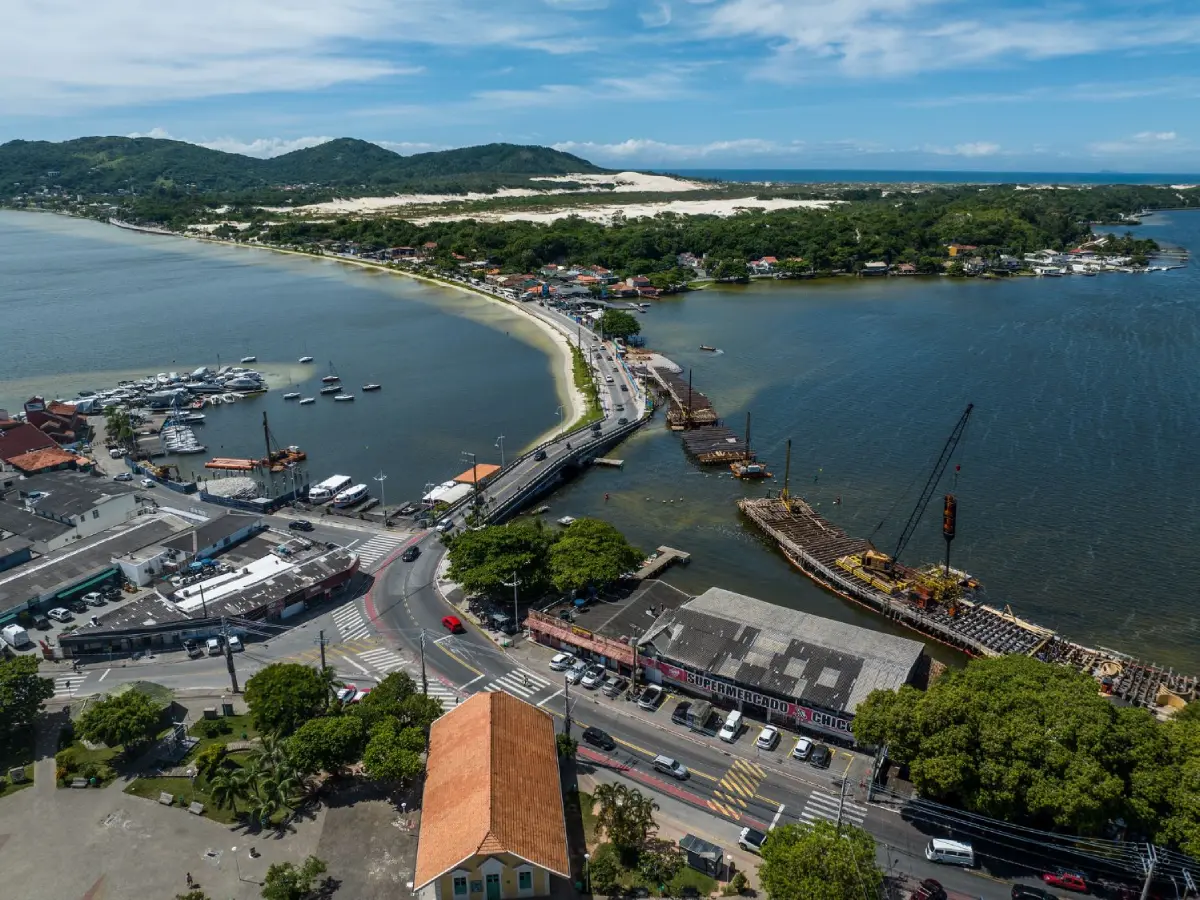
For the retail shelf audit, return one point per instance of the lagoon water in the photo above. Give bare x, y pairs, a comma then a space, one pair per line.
1078, 497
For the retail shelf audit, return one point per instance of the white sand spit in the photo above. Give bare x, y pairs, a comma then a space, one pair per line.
605, 213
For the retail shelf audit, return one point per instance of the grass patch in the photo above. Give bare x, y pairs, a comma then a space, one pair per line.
587, 386
185, 793
587, 814
685, 878
240, 728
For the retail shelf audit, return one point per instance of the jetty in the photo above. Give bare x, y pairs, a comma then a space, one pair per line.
690, 412
663, 559
611, 463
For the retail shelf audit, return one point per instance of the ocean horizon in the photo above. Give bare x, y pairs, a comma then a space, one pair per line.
946, 176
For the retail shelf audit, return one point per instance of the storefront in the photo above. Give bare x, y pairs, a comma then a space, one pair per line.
563, 635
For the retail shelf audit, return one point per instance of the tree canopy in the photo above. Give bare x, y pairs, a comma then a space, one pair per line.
626, 816
616, 323
590, 553
287, 881
396, 698
283, 696
22, 692
125, 719
393, 753
327, 744
481, 561
816, 862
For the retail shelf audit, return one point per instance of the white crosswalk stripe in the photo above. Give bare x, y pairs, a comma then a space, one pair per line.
825, 806
65, 685
382, 660
350, 621
385, 661
377, 548
520, 683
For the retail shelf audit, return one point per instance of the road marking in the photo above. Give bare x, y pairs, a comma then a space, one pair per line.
720, 808
462, 662
778, 813
472, 681
519, 683
730, 798
821, 805
105, 675
356, 665
551, 697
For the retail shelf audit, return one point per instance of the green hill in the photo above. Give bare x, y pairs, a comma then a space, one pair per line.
107, 165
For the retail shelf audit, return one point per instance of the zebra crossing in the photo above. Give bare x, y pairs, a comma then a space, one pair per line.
822, 805
520, 683
377, 547
737, 788
385, 661
65, 685
350, 621
382, 660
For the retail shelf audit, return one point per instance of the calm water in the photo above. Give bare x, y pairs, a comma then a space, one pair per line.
1078, 490
901, 176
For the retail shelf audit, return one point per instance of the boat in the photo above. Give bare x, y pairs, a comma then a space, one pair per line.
708, 348
249, 359
749, 470
350, 496
343, 397
292, 395
308, 400
371, 387
245, 383
229, 397
566, 521
329, 488
306, 359
331, 389
332, 377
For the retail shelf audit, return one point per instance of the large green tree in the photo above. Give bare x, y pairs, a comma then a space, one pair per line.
397, 699
127, 719
817, 862
393, 753
616, 323
22, 693
287, 881
483, 560
591, 553
626, 816
327, 744
283, 696
1022, 741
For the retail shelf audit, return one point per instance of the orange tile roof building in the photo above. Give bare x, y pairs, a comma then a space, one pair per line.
492, 820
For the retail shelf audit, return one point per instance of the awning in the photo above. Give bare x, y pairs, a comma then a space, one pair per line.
103, 576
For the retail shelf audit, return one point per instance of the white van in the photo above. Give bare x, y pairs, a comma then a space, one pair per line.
213, 646
732, 727
954, 853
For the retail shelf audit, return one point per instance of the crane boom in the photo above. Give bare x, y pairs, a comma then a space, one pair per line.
931, 484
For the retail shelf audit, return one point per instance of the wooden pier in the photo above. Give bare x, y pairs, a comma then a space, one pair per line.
704, 437
612, 463
665, 558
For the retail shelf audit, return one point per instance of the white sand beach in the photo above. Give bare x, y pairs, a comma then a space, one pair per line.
605, 212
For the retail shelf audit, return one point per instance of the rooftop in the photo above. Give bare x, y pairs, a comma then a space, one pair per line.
212, 532
492, 786
70, 494
21, 438
14, 544
785, 651
36, 528
631, 616
40, 460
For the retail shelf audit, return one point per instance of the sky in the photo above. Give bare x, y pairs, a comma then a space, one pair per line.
1005, 85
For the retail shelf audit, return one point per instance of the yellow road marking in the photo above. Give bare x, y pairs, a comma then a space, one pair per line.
751, 769
730, 798
722, 809
741, 785
462, 662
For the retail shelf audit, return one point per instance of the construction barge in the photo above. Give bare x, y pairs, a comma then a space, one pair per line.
705, 438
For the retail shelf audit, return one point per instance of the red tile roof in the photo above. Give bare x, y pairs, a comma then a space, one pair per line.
41, 460
22, 439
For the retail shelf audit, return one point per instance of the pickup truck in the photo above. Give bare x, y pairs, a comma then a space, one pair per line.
193, 649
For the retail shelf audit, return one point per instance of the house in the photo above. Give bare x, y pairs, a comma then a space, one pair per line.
48, 460
956, 249
875, 268
492, 820
61, 421
764, 266
81, 504
17, 438
905, 269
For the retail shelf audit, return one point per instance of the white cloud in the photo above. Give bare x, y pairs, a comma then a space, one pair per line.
971, 149
263, 148
646, 150
1144, 143
650, 85
1151, 136
657, 15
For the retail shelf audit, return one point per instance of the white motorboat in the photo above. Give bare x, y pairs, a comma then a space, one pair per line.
249, 359
292, 395
308, 400
331, 389
371, 387
343, 397
350, 496
306, 359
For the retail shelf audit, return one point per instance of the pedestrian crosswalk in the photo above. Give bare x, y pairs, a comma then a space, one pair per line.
737, 788
350, 621
66, 685
377, 548
520, 683
384, 661
822, 805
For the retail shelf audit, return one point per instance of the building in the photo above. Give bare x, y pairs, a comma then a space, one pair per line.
905, 269
956, 249
216, 535
52, 459
61, 421
492, 820
764, 266
15, 551
83, 503
774, 663
19, 438
875, 268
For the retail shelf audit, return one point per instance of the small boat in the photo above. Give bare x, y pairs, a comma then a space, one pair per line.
306, 359
708, 348
308, 400
371, 387
331, 389
566, 520
332, 377
749, 470
292, 395
350, 496
249, 359
344, 397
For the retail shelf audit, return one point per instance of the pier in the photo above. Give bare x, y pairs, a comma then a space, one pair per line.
690, 412
664, 558
611, 463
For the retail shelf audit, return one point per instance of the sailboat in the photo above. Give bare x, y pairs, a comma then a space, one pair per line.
332, 377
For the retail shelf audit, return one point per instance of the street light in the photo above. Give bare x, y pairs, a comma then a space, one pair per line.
381, 478
587, 876
500, 443
559, 412
516, 610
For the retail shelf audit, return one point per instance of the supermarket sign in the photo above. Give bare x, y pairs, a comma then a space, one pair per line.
705, 683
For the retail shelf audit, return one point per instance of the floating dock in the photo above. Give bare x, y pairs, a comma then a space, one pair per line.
664, 558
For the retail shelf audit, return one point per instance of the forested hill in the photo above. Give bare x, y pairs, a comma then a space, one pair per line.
106, 165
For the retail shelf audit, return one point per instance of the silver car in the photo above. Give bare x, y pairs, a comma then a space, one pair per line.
577, 671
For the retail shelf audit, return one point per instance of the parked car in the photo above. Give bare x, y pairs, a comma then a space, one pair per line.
300, 525
123, 476
820, 757
767, 738
1024, 892
651, 697
41, 623
539, 456
94, 598
235, 643
562, 661
594, 676
1066, 878
929, 889
598, 738
359, 695
193, 649
575, 673
616, 686
346, 693
77, 606
452, 624
410, 553
680, 714
802, 749
732, 728
752, 839
58, 614
213, 646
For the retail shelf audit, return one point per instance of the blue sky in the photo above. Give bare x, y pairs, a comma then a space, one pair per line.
873, 84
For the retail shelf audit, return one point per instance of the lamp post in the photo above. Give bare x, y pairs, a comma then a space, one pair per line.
500, 444
381, 478
559, 412
474, 474
587, 875
514, 584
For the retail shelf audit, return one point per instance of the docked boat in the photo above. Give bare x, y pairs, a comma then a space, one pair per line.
344, 397
351, 495
329, 488
332, 377
331, 389
245, 383
249, 359
749, 470
371, 387
292, 395
306, 359
708, 348
308, 400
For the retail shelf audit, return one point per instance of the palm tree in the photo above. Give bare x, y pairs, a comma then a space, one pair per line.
270, 752
626, 815
228, 787
332, 684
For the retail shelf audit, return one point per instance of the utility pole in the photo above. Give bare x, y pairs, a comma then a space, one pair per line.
474, 474
1150, 861
516, 609
567, 708
321, 641
203, 605
841, 802
381, 478
500, 443
424, 678
229, 656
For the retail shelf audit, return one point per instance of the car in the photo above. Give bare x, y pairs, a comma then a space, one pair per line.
235, 644
213, 646
802, 749
445, 527
123, 476
359, 695
767, 738
41, 623
1066, 878
623, 421
562, 661
300, 525
670, 766
679, 715
410, 553
575, 673
929, 889
616, 686
752, 839
193, 649
77, 606
594, 676
598, 738
346, 693
148, 482
651, 697
732, 728
1025, 892
539, 456
58, 614
820, 757
453, 624
94, 598
625, 388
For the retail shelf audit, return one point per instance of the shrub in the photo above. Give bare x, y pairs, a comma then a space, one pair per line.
66, 760
736, 885
105, 773
88, 770
3, 783
209, 760
211, 728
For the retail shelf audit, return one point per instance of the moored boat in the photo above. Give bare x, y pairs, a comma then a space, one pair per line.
308, 400
249, 359
706, 347
350, 496
371, 387
343, 397
292, 395
331, 389
306, 359
332, 377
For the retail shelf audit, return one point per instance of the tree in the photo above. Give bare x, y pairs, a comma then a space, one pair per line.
616, 323
396, 699
22, 692
591, 553
333, 684
659, 861
229, 786
482, 561
389, 755
284, 696
604, 870
328, 744
816, 862
567, 745
285, 881
126, 719
625, 816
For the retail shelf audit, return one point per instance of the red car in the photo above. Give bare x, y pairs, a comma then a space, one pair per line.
453, 625
1064, 878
